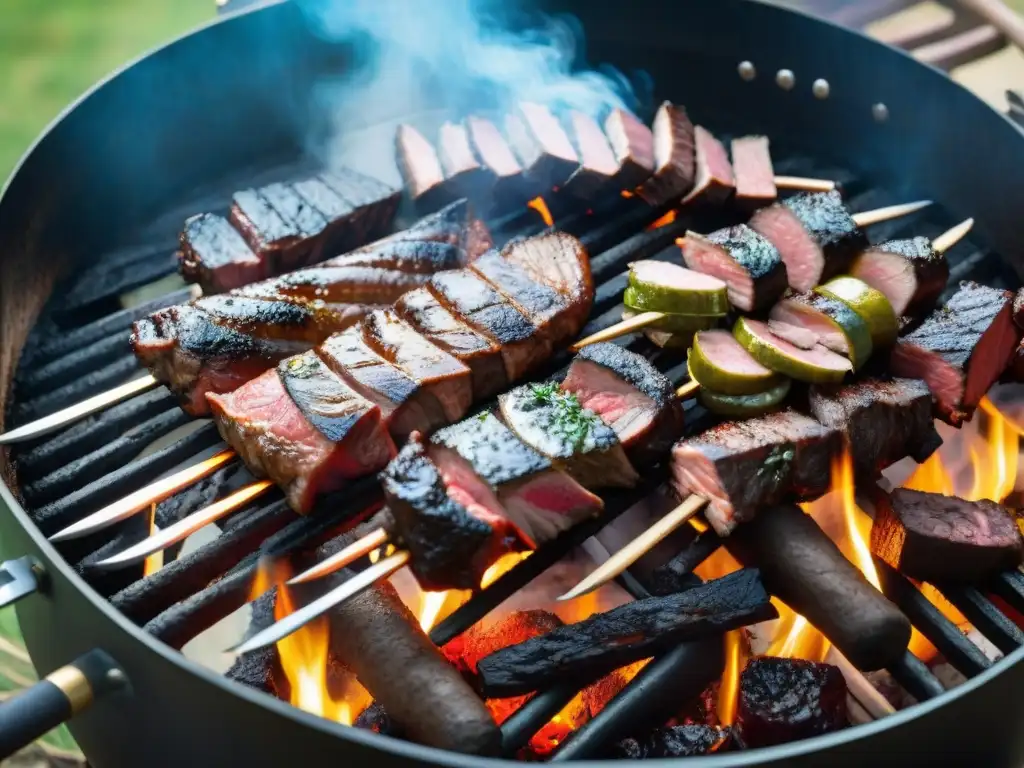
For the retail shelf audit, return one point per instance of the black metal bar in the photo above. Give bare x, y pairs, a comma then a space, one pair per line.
986, 617
964, 655
916, 678
85, 386
521, 726
117, 274
185, 620
109, 488
1010, 588
57, 373
107, 458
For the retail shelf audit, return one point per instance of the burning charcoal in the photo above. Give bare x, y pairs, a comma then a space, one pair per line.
541, 145
375, 719
588, 649
466, 650
782, 700
676, 741
945, 539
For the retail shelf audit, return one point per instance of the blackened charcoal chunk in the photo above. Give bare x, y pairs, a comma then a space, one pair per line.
782, 700
676, 741
375, 719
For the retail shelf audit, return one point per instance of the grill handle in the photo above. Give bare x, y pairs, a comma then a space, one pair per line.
56, 699
19, 578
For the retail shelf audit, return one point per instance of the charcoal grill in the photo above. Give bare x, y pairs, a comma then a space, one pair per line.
92, 212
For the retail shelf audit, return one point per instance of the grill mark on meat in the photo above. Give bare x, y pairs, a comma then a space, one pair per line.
750, 265
629, 394
437, 373
307, 220
463, 172
269, 319
267, 232
741, 466
752, 168
883, 421
911, 273
421, 309
420, 167
271, 432
586, 448
597, 160
945, 539
713, 177
542, 146
633, 145
451, 545
214, 255
961, 349
674, 160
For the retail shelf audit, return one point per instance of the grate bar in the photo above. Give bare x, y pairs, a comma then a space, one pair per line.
98, 380
986, 617
1010, 588
118, 274
915, 677
201, 611
521, 726
60, 372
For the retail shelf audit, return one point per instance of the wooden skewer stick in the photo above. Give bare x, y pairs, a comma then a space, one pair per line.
688, 390
73, 413
804, 183
143, 498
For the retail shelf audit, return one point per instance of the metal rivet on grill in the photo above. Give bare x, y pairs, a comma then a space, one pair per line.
880, 112
785, 79
116, 676
820, 88
747, 70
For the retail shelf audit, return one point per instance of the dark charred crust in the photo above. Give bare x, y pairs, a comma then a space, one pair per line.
585, 650
495, 453
210, 244
410, 256
826, 219
330, 406
263, 228
931, 270
441, 534
463, 171
251, 314
688, 740
756, 255
473, 299
633, 368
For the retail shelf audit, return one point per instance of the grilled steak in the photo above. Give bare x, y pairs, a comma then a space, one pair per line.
748, 263
944, 539
452, 542
631, 396
542, 146
214, 255
487, 462
303, 428
338, 288
279, 241
741, 466
420, 168
597, 161
192, 354
421, 309
576, 439
509, 189
753, 172
961, 349
782, 700
464, 174
713, 176
406, 406
633, 145
674, 160
358, 208
910, 273
883, 420
435, 371
815, 234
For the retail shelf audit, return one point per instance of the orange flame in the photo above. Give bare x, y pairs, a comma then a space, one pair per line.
728, 693
662, 221
541, 207
628, 193
501, 566
154, 562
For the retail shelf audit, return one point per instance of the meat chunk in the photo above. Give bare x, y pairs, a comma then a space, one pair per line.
464, 173
749, 264
713, 178
271, 318
597, 161
214, 255
577, 440
303, 428
337, 289
483, 458
542, 146
945, 539
815, 234
631, 396
961, 349
741, 466
421, 309
420, 168
674, 159
753, 171
456, 224
452, 540
509, 188
883, 420
782, 700
911, 273
633, 145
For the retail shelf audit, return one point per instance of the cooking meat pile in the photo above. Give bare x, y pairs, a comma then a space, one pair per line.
374, 361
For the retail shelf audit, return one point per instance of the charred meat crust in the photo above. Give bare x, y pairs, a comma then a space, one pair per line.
214, 255
537, 301
633, 145
493, 451
803, 567
883, 421
755, 255
931, 269
826, 219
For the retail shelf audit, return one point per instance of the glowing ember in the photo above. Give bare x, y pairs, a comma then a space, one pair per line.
668, 218
728, 693
627, 193
154, 562
541, 207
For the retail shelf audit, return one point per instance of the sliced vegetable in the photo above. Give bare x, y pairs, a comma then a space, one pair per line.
744, 406
817, 366
717, 360
659, 286
833, 322
867, 302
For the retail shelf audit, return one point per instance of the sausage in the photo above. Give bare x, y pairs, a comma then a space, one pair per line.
381, 642
803, 567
